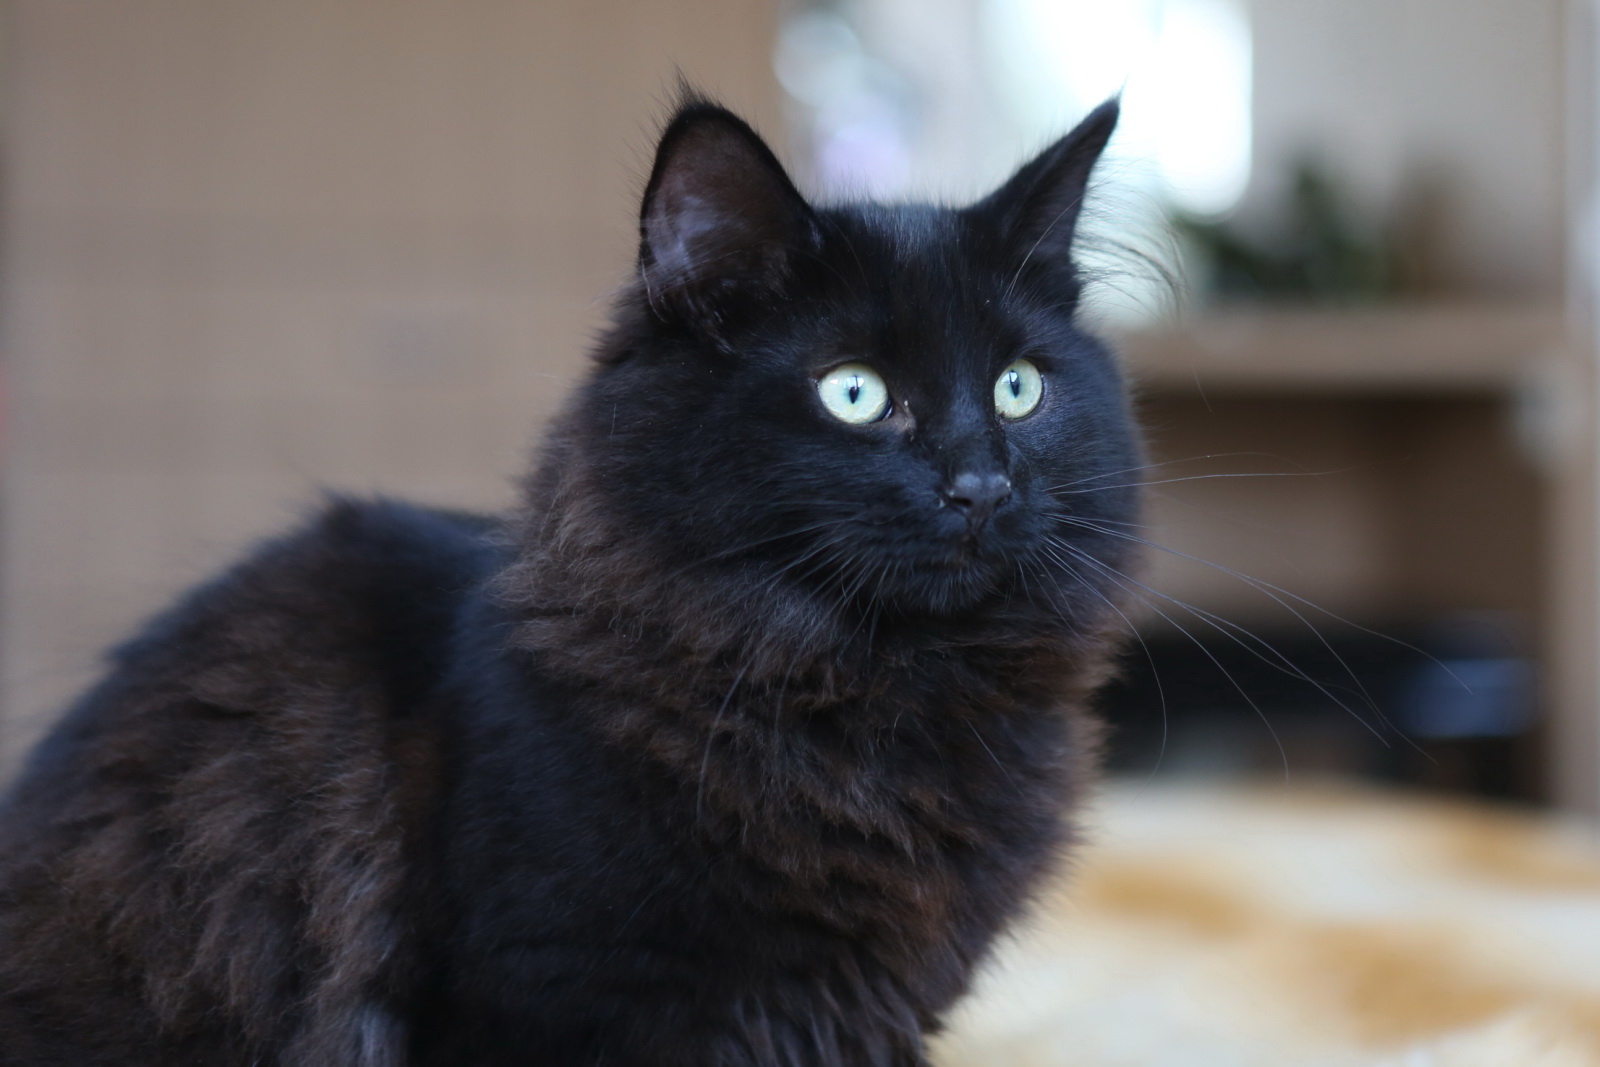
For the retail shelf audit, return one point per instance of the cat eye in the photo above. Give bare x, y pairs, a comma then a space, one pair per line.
1018, 390
854, 393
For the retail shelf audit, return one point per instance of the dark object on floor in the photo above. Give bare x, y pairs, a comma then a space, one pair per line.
1447, 705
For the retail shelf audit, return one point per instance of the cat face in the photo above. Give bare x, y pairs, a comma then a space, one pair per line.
890, 406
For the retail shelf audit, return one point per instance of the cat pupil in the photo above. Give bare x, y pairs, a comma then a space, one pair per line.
1014, 380
855, 390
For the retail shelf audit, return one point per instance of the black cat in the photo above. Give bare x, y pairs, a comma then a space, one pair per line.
736, 747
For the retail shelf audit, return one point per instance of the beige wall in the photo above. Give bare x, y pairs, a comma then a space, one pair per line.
1464, 97
253, 248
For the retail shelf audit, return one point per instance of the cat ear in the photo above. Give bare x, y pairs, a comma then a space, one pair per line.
719, 209
1037, 209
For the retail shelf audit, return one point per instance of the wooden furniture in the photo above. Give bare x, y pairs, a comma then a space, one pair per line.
1421, 461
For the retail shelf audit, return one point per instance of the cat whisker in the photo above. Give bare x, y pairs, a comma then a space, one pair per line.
1272, 656
1254, 644
1165, 463
1003, 769
1155, 673
1123, 582
875, 602
749, 545
1277, 594
1138, 637
1198, 478
825, 549
711, 736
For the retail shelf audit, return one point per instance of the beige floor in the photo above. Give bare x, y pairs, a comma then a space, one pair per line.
1306, 926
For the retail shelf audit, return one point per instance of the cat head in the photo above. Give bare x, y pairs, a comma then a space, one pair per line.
889, 408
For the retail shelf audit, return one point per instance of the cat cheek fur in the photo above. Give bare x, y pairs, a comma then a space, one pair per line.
736, 745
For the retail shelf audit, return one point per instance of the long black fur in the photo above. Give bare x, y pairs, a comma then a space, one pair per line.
737, 745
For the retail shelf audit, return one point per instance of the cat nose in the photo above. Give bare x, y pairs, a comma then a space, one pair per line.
977, 495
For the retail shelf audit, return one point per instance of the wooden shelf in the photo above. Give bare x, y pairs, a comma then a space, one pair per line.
1404, 349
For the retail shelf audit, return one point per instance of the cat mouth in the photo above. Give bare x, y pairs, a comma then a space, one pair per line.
950, 589
974, 548
956, 556
964, 556
969, 570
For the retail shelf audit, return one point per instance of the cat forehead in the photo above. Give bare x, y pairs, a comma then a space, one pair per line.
924, 238
924, 279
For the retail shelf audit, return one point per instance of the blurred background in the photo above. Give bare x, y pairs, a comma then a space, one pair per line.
249, 251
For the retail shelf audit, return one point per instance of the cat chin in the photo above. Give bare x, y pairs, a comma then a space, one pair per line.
953, 588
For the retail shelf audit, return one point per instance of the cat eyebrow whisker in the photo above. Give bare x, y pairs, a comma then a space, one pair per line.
817, 256
1070, 207
844, 236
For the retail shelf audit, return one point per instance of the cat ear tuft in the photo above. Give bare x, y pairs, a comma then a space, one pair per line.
719, 207
1037, 209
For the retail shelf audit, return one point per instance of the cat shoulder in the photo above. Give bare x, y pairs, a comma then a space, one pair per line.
218, 842
364, 593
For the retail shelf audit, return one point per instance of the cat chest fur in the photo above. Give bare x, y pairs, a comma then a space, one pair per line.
793, 859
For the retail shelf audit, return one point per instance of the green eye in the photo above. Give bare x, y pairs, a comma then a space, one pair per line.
854, 393
1018, 389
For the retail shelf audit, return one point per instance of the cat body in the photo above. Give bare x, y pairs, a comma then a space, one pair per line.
737, 745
